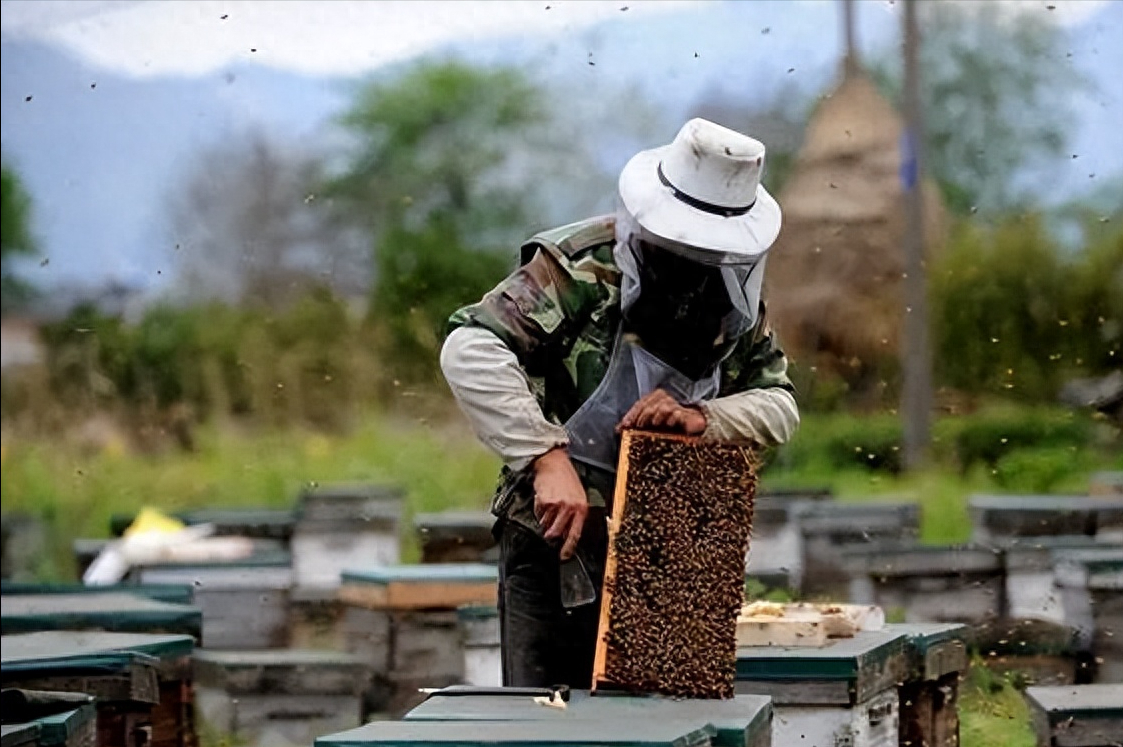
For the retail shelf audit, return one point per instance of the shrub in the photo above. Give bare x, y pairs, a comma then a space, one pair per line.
986, 437
1037, 470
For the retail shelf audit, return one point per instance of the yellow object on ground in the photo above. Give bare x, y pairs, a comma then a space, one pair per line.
151, 521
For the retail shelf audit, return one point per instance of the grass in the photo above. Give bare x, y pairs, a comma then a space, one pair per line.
992, 711
439, 465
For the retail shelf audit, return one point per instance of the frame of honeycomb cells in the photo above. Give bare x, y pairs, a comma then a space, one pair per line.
675, 573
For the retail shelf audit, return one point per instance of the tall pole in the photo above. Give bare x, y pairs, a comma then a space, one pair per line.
850, 61
916, 398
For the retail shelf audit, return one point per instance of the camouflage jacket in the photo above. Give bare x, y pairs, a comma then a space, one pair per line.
559, 313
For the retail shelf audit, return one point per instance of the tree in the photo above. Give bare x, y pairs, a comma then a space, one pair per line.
16, 239
994, 87
250, 226
443, 176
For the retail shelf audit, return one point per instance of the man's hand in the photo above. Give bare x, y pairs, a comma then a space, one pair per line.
559, 499
661, 410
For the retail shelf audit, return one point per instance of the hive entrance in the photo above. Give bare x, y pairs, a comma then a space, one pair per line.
674, 580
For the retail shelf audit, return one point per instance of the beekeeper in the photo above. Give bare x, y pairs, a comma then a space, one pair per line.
651, 318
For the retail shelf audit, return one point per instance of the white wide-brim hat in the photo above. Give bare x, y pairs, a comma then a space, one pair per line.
703, 191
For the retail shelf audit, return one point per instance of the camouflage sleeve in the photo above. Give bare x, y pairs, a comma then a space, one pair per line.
528, 310
757, 362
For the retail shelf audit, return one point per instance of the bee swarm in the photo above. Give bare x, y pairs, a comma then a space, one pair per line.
676, 586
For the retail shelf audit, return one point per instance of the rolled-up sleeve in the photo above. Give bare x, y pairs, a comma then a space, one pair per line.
493, 392
767, 416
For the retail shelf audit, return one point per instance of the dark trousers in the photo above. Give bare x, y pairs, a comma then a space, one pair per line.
545, 644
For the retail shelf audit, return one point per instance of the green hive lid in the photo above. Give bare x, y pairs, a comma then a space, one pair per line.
737, 722
170, 593
861, 663
62, 648
1078, 701
1095, 569
118, 612
58, 729
614, 733
16, 735
447, 573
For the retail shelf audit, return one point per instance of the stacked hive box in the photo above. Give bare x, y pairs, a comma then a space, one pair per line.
997, 517
1091, 583
1081, 716
456, 536
49, 719
142, 682
828, 529
339, 525
927, 583
483, 662
842, 693
282, 698
776, 555
929, 694
244, 603
742, 721
402, 622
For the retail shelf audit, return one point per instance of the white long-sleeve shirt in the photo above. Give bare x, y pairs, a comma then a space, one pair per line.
493, 392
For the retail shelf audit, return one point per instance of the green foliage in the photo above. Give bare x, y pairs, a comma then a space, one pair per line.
987, 437
299, 365
844, 442
16, 239
1014, 316
994, 88
439, 176
1037, 470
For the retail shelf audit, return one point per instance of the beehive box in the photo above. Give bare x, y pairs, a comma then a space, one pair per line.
145, 677
673, 588
994, 517
775, 558
337, 525
170, 593
115, 612
841, 693
278, 698
827, 529
57, 719
455, 536
927, 583
483, 660
928, 696
402, 622
1079, 716
524, 734
742, 721
316, 619
1031, 593
244, 603
1091, 583
125, 683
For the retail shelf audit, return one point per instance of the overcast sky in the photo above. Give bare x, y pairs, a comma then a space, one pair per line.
330, 37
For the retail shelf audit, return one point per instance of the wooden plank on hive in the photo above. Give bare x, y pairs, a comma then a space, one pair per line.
696, 682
